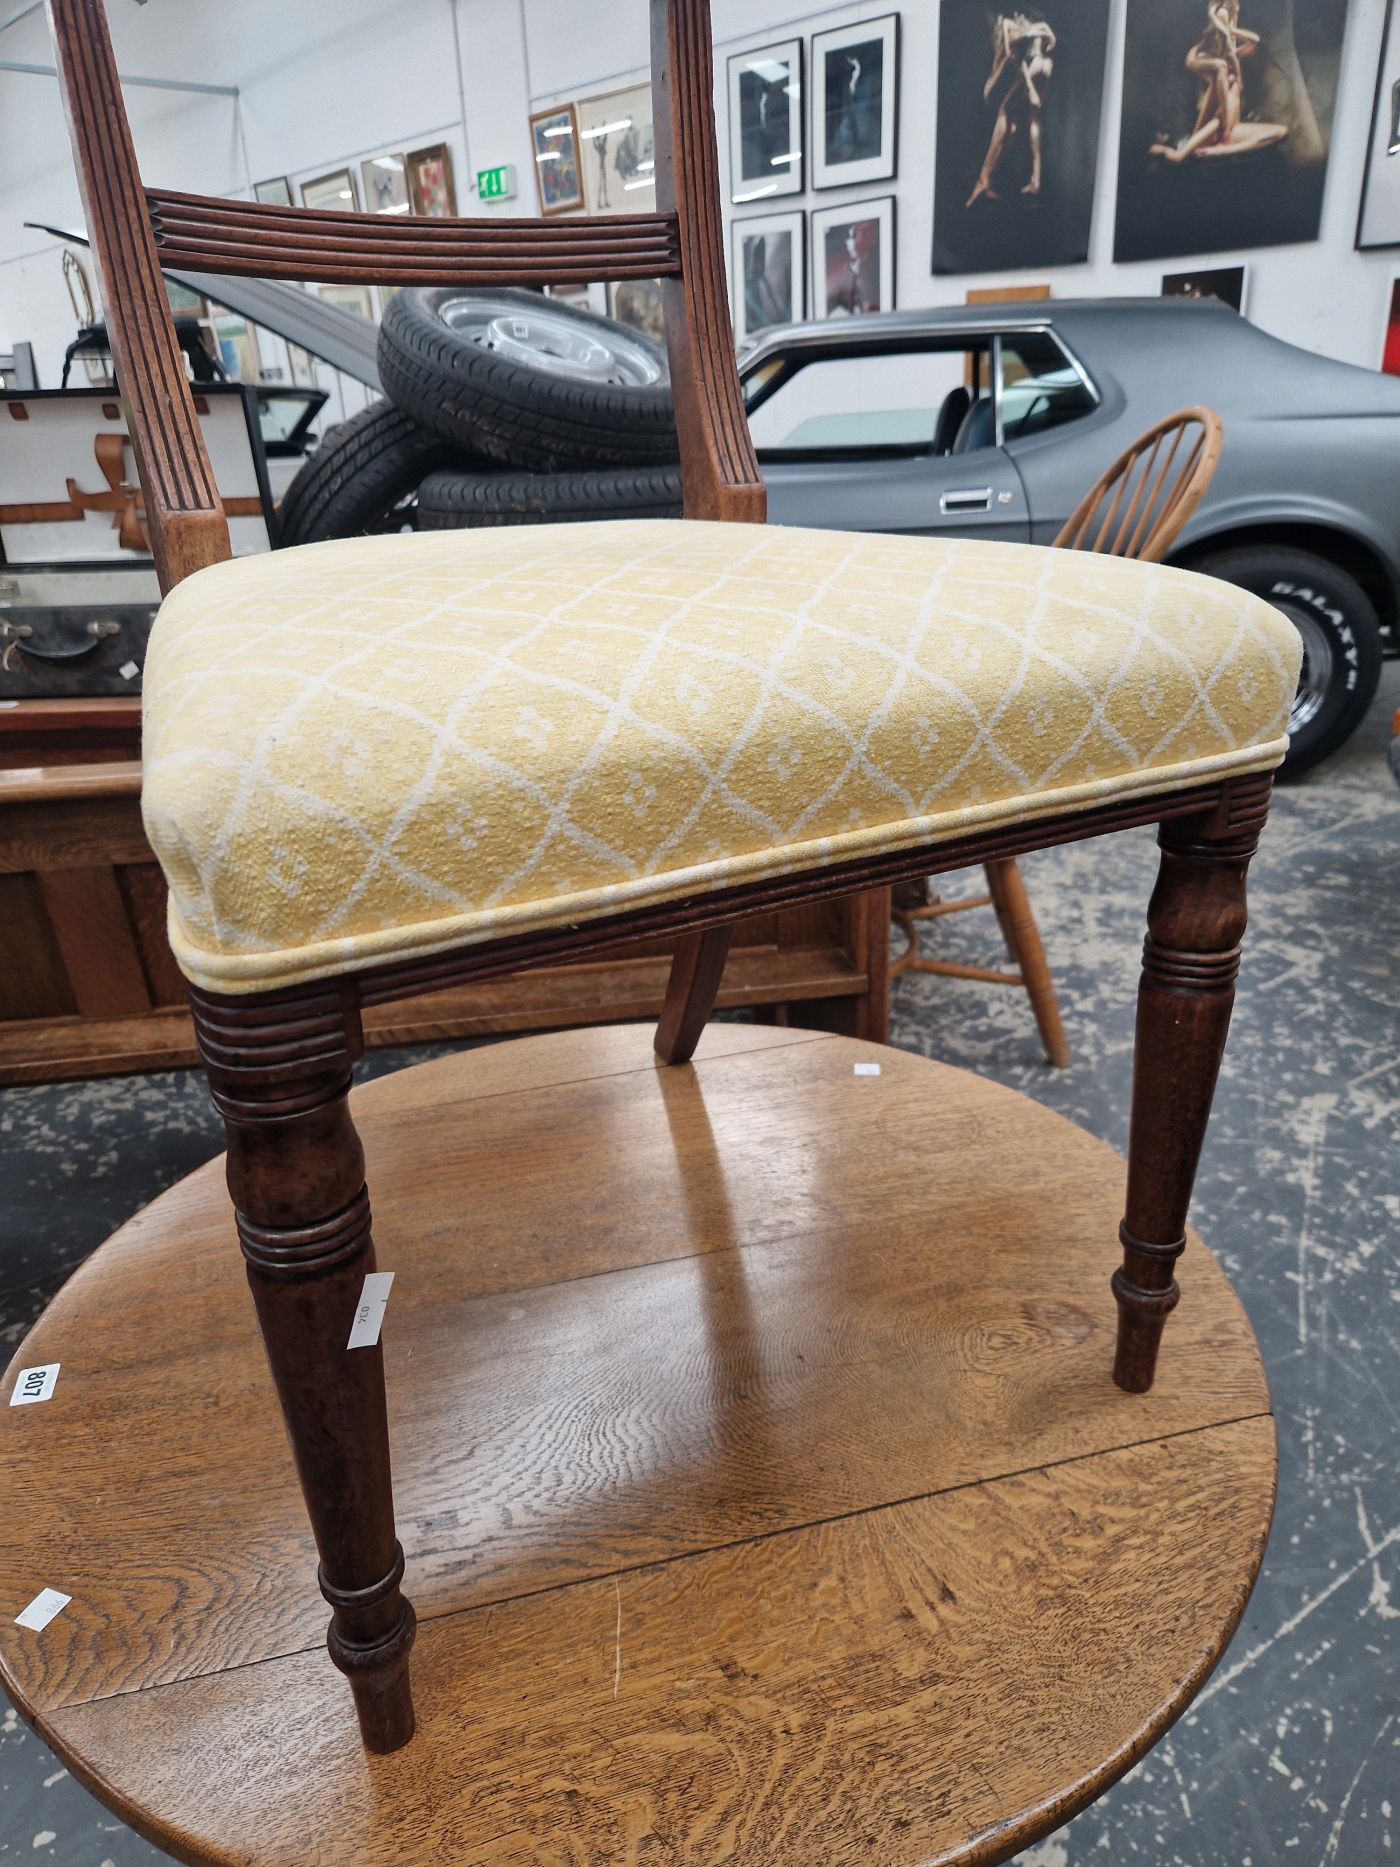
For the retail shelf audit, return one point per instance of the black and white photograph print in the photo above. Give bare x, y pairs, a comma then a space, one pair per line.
765, 122
770, 272
854, 88
853, 259
1378, 221
1223, 283
1227, 123
1020, 97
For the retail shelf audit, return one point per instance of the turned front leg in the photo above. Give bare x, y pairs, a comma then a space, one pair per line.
280, 1076
1195, 922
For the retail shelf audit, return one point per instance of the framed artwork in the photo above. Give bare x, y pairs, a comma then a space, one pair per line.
1390, 354
1019, 102
638, 302
554, 134
354, 298
769, 272
384, 183
430, 188
1378, 218
855, 100
331, 191
1225, 283
617, 152
765, 122
853, 258
274, 193
1227, 124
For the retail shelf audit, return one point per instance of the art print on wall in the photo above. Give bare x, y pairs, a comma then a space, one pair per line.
1020, 96
617, 152
430, 186
765, 122
855, 96
384, 180
335, 191
1227, 123
554, 134
274, 193
638, 302
1378, 221
769, 273
853, 259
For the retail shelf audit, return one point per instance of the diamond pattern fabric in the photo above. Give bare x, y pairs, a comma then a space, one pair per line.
379, 749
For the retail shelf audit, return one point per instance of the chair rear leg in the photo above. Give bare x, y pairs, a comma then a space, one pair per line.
697, 966
1190, 959
279, 1070
1007, 888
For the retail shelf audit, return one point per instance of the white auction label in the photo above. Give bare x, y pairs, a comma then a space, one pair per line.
42, 1609
867, 1069
369, 1311
33, 1384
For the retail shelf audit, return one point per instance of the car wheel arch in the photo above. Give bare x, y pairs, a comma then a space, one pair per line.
1349, 553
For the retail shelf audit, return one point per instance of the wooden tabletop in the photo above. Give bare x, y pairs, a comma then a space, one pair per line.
764, 1491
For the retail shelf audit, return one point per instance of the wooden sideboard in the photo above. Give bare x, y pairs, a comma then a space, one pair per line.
88, 985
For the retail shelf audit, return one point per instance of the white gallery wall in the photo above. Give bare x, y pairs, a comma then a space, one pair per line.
320, 87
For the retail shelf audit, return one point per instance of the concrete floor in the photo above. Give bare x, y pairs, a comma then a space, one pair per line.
1294, 1744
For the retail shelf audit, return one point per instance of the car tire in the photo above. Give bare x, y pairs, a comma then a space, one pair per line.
363, 469
452, 500
1341, 641
527, 380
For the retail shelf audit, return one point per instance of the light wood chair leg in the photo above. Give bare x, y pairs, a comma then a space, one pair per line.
697, 966
1013, 908
279, 1070
1195, 922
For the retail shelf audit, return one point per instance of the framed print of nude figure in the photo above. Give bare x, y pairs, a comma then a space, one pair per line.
1227, 123
1020, 95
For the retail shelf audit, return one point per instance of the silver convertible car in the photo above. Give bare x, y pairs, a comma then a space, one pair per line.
993, 421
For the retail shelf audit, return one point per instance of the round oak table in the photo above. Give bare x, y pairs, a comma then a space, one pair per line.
765, 1494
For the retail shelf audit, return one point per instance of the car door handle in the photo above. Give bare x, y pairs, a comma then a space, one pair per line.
967, 499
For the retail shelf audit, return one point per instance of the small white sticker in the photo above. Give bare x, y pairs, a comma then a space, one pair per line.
42, 1609
867, 1069
369, 1311
128, 670
33, 1384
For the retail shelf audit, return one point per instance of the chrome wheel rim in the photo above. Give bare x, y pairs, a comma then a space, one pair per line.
543, 339
1315, 676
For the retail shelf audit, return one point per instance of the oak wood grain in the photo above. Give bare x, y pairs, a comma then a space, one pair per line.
680, 1308
94, 936
940, 1680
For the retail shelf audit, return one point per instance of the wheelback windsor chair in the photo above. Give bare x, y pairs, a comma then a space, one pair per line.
281, 950
1141, 514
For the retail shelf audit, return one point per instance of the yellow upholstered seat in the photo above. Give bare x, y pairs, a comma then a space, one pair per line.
383, 748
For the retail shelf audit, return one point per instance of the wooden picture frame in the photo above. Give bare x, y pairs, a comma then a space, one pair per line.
334, 192
765, 122
558, 171
384, 184
431, 189
769, 272
853, 255
854, 88
275, 192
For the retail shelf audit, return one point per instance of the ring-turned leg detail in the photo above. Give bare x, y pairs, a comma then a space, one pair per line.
279, 1070
1195, 922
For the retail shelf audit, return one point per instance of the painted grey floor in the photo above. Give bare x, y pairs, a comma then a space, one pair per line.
1291, 1753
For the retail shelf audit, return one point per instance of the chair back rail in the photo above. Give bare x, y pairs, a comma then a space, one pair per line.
135, 231
247, 239
1132, 510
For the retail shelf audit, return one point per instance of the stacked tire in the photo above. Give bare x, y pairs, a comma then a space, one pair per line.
503, 408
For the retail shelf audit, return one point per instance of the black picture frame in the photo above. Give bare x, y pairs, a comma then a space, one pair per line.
766, 117
1378, 210
853, 84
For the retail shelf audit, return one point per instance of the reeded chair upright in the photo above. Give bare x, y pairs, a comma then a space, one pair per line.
379, 767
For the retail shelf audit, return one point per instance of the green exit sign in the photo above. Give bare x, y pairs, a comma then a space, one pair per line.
496, 184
